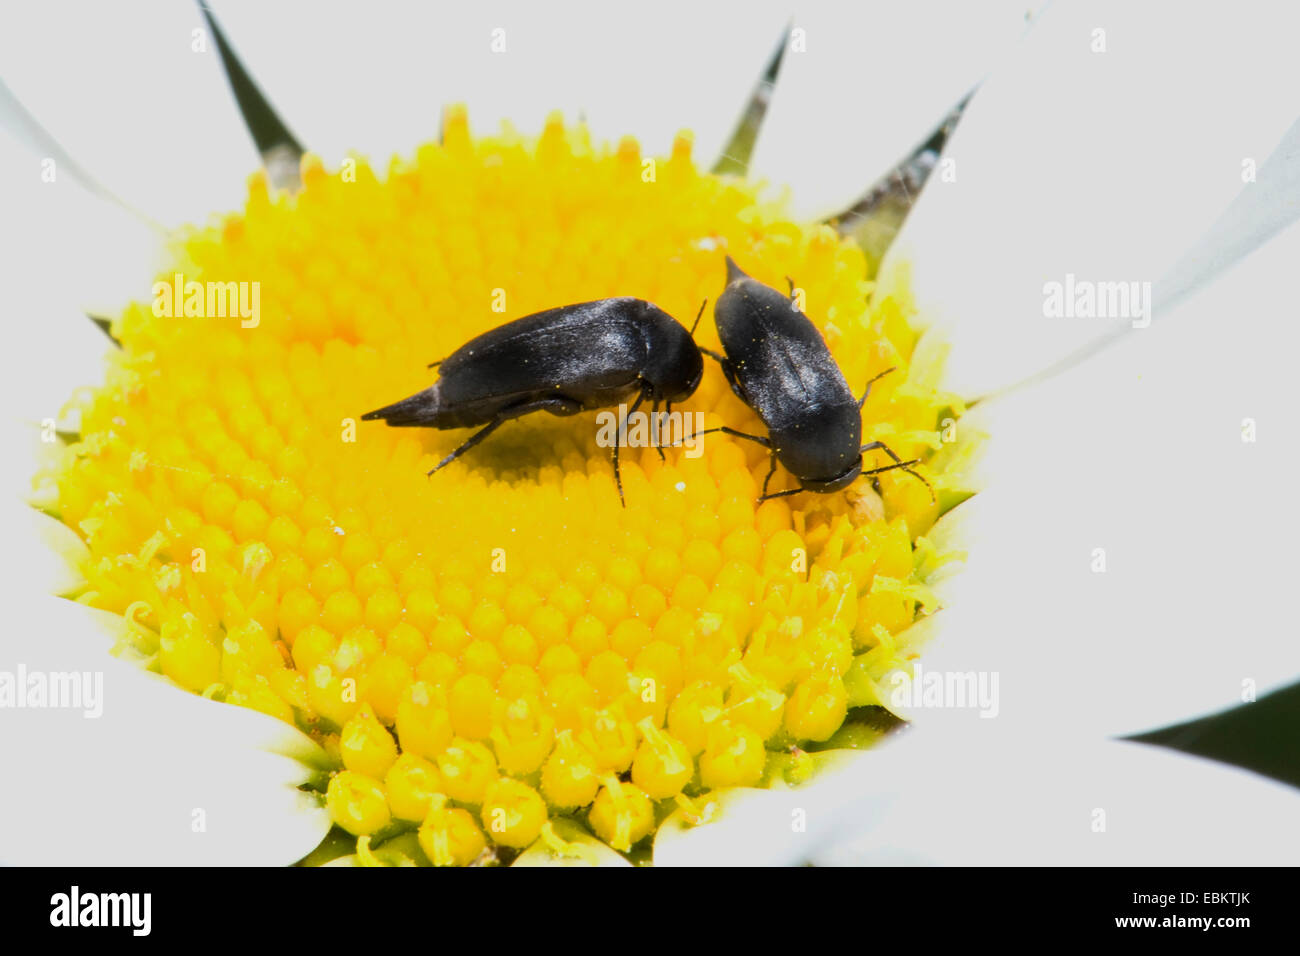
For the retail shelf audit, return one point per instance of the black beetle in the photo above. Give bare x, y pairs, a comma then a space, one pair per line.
779, 365
563, 361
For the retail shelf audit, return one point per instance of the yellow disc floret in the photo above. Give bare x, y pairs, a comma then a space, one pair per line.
733, 757
412, 784
366, 746
357, 803
502, 643
662, 765
451, 837
513, 813
621, 814
569, 778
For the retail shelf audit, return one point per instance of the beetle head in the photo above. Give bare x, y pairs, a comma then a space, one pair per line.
674, 365
823, 450
824, 486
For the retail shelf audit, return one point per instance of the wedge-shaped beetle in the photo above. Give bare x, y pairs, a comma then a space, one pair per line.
563, 361
778, 364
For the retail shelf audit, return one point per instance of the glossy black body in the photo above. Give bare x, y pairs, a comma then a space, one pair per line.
778, 364
563, 361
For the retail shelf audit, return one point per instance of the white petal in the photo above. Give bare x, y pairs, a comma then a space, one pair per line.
70, 252
52, 552
124, 92
871, 85
1106, 166
132, 785
1001, 800
1139, 452
743, 828
1254, 217
748, 826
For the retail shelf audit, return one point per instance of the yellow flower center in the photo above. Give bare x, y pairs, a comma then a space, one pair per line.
502, 643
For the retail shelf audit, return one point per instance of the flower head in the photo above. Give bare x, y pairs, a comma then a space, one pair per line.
501, 645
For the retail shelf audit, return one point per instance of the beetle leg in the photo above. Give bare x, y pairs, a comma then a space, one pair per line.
728, 371
863, 400
759, 439
618, 476
765, 442
434, 364
780, 494
898, 464
770, 472
559, 405
654, 415
469, 443
556, 405
790, 282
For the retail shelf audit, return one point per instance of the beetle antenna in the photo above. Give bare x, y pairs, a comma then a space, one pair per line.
898, 464
697, 316
863, 400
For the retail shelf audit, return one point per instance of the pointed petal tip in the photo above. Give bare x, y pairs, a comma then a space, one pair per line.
280, 150
736, 154
105, 325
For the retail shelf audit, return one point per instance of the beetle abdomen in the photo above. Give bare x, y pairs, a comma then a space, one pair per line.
580, 349
423, 409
